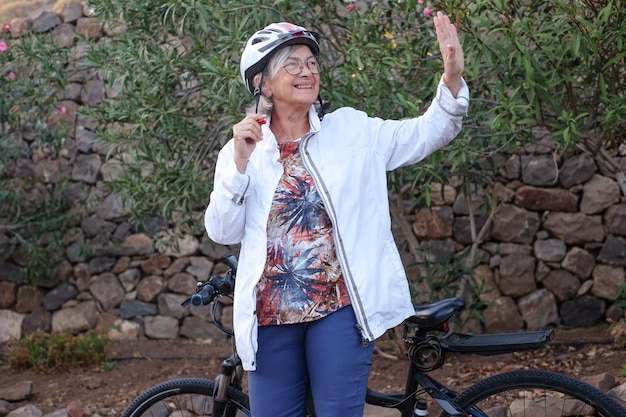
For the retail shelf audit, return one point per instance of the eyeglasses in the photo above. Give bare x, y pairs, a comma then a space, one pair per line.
294, 66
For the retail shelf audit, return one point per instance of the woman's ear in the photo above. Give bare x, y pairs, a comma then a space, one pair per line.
256, 79
265, 90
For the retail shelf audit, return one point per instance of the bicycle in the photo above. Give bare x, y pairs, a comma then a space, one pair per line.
515, 393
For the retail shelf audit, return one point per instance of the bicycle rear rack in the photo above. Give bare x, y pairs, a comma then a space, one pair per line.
496, 344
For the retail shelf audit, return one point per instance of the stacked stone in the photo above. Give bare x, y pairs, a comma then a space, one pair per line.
554, 251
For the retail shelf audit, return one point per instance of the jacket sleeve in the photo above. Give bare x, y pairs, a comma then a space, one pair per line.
224, 219
407, 142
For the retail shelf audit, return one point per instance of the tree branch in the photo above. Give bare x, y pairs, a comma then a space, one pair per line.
10, 227
478, 238
599, 153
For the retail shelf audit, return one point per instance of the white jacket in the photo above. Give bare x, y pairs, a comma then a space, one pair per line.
348, 154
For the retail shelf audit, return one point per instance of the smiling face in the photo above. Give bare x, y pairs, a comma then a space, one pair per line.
299, 90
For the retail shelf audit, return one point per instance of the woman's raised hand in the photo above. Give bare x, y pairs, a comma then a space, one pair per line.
451, 51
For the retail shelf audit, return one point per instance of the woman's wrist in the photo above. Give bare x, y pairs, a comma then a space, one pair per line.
241, 164
453, 83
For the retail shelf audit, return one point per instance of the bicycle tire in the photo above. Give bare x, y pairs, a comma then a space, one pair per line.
185, 397
536, 393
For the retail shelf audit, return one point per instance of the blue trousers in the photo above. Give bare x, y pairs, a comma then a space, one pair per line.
326, 355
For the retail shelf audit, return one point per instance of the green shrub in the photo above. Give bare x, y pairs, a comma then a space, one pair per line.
53, 352
34, 124
537, 69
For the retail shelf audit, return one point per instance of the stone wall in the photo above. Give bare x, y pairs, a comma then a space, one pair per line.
13, 9
554, 254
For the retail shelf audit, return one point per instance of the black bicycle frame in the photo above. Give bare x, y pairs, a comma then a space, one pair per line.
416, 379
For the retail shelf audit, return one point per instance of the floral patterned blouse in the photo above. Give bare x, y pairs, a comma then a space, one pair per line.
302, 280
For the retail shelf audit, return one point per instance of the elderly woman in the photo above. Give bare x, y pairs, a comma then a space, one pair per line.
319, 277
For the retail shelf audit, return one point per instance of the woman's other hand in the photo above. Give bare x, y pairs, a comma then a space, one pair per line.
246, 134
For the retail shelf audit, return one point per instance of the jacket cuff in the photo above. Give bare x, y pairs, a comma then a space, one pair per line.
453, 106
235, 184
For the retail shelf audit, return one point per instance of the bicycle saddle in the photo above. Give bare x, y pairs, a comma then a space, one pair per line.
433, 315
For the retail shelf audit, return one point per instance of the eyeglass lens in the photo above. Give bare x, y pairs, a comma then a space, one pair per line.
294, 66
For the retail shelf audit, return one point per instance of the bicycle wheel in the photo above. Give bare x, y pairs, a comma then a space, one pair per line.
538, 394
185, 397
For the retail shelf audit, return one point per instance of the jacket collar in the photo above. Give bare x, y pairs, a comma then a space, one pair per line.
269, 140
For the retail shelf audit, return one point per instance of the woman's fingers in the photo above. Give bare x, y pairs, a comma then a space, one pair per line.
246, 134
249, 128
449, 44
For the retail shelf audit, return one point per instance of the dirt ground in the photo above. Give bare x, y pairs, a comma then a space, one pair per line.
138, 365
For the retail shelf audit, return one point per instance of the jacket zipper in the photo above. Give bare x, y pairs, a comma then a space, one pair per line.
362, 326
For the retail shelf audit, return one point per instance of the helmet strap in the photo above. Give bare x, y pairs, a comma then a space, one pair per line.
257, 93
323, 107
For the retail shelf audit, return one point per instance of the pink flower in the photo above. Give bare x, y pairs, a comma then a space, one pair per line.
3, 46
420, 1
350, 8
11, 75
62, 109
7, 28
428, 12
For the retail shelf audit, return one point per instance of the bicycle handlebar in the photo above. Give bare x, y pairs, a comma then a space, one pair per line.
216, 286
202, 297
231, 261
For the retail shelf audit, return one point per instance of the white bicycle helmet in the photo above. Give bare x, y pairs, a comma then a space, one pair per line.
260, 46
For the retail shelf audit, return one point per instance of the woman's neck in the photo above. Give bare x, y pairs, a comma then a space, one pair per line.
288, 126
